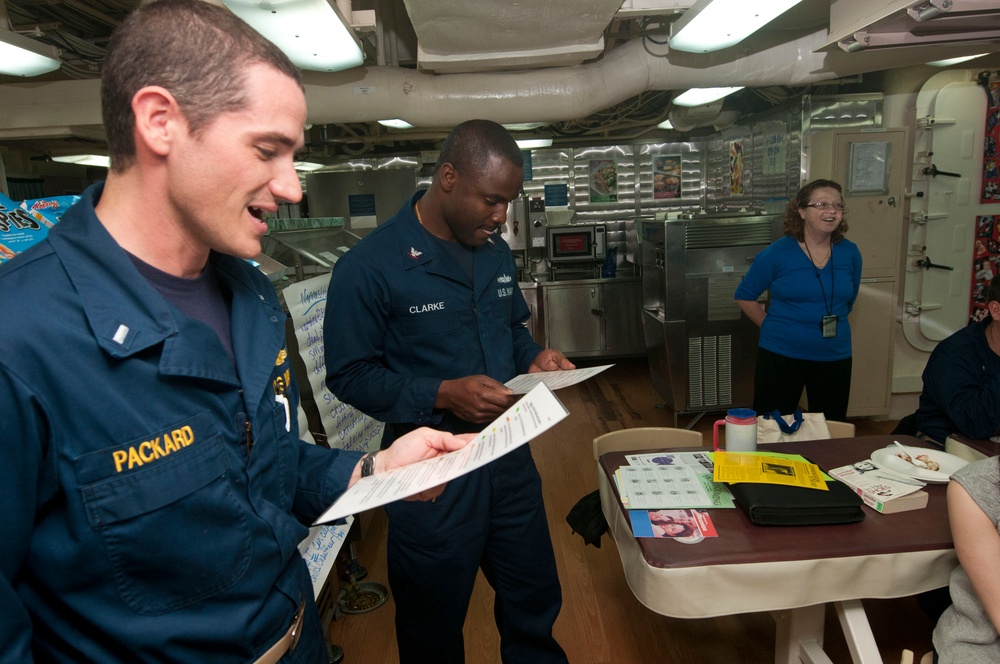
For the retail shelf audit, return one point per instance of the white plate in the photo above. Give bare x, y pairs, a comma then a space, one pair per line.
949, 463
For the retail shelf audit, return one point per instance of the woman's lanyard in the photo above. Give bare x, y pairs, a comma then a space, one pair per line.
829, 307
828, 326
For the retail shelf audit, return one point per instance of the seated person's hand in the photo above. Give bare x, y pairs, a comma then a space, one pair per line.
478, 399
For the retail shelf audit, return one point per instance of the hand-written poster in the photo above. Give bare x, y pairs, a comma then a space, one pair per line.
603, 181
667, 176
736, 168
991, 172
320, 548
345, 426
775, 152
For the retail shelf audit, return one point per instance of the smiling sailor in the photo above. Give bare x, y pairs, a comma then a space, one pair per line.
153, 484
428, 323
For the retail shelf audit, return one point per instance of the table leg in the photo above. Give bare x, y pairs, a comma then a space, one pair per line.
858, 632
799, 635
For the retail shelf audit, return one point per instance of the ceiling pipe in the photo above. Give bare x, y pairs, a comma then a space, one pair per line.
367, 94
430, 101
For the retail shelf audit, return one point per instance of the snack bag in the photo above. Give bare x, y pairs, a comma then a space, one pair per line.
19, 229
49, 210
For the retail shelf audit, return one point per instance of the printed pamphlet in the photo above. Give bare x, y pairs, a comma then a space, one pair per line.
881, 489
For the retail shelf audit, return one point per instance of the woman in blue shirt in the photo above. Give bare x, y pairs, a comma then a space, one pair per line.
813, 275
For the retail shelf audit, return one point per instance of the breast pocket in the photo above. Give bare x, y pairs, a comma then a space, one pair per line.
174, 532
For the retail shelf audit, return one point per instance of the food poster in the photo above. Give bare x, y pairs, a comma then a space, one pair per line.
20, 229
736, 168
603, 181
667, 176
991, 172
985, 263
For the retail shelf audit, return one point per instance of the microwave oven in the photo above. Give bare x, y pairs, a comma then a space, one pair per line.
578, 243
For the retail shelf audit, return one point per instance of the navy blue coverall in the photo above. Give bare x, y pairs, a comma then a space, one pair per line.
402, 318
139, 524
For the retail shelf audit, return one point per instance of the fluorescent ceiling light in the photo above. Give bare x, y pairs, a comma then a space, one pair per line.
308, 166
523, 126
528, 143
312, 33
711, 25
955, 61
396, 123
700, 96
666, 124
84, 159
22, 56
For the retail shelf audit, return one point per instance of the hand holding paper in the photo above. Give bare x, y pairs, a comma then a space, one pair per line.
535, 413
418, 445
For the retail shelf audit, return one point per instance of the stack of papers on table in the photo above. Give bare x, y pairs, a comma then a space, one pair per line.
670, 481
768, 468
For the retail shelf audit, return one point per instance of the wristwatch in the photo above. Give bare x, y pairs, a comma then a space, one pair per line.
368, 464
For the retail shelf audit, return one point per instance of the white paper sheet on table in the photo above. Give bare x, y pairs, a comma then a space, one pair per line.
553, 379
533, 414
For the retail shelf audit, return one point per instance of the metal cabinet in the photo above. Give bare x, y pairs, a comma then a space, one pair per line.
594, 317
573, 318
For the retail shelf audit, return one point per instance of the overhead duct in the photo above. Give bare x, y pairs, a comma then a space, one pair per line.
371, 93
367, 94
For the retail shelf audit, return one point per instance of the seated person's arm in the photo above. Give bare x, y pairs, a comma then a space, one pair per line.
954, 382
978, 546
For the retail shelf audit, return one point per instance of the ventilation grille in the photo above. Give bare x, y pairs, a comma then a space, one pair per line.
710, 371
736, 234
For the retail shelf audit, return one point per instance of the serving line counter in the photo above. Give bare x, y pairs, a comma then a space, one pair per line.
791, 571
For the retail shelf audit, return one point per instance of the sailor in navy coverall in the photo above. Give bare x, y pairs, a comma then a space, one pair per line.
414, 315
153, 486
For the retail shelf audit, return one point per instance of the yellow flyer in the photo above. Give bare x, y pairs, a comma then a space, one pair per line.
767, 469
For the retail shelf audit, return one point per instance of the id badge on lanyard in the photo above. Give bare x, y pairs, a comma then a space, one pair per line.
829, 326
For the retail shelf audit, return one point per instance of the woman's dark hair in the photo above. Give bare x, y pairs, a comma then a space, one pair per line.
993, 290
795, 224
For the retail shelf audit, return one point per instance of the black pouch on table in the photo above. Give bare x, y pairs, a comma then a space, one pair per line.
780, 505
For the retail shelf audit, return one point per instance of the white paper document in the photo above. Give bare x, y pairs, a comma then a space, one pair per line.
533, 414
553, 379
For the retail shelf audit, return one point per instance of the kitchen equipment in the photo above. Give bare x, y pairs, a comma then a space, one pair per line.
576, 243
702, 350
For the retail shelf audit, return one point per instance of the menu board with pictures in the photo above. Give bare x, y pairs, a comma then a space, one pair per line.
603, 181
667, 176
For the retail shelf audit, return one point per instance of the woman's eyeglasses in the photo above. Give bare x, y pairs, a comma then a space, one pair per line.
839, 207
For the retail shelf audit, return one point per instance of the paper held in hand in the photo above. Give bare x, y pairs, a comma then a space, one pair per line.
533, 414
555, 380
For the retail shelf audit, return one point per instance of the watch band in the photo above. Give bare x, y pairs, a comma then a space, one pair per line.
368, 464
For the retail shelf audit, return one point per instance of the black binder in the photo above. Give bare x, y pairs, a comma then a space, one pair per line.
781, 505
